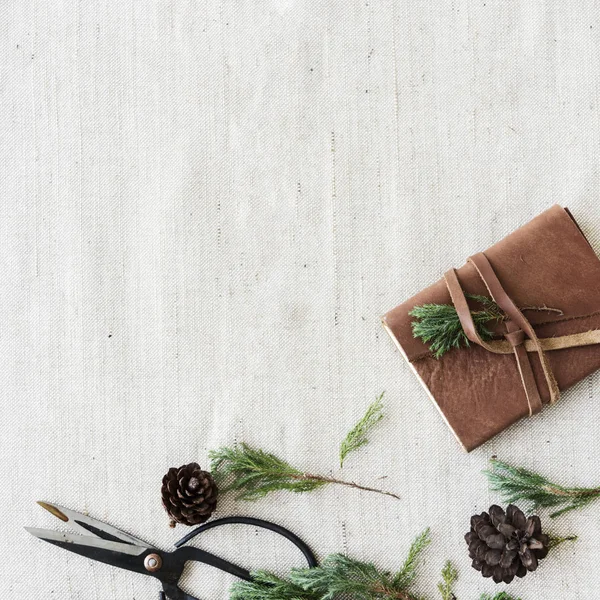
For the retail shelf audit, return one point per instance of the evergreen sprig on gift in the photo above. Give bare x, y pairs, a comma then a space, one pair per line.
439, 325
517, 484
254, 473
338, 576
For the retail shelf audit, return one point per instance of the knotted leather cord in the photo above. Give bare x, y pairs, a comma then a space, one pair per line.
517, 329
502, 299
515, 339
463, 311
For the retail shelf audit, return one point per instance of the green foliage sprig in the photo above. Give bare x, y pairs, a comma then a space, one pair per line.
337, 576
357, 437
517, 484
439, 326
254, 473
449, 577
267, 586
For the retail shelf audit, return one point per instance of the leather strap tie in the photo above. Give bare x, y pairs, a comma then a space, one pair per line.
520, 337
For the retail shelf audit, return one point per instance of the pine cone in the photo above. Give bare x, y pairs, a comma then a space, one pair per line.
189, 494
505, 544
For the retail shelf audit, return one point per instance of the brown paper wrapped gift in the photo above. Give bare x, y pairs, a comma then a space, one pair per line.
484, 388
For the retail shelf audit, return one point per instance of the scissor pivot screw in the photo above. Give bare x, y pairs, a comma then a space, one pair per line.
153, 563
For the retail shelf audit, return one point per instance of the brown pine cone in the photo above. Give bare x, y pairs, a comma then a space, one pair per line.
505, 544
189, 494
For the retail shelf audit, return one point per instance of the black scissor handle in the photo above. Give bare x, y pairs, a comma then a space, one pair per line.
286, 533
191, 553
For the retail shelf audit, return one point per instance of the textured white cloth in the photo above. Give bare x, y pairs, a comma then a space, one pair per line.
205, 208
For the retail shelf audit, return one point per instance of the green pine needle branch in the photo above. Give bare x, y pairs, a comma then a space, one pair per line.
408, 572
556, 540
337, 576
253, 473
357, 437
516, 484
449, 578
267, 586
439, 326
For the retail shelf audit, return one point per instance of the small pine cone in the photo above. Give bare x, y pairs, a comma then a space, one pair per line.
504, 544
189, 494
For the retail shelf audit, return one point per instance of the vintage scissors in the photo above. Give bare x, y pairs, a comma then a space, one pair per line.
109, 545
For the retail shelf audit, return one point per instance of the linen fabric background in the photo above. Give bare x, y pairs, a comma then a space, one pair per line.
206, 206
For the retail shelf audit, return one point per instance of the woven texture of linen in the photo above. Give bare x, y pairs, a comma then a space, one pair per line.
206, 206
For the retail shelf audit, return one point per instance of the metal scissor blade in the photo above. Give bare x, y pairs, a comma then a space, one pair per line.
87, 525
118, 554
